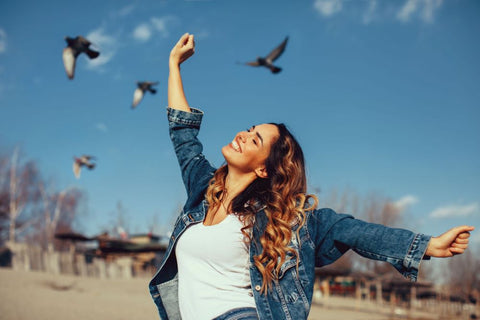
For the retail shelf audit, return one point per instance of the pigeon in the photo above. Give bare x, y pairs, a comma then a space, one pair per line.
272, 56
83, 161
74, 47
140, 91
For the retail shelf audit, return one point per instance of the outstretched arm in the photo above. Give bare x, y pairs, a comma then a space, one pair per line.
183, 49
452, 242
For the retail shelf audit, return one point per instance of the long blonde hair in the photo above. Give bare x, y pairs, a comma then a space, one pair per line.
283, 193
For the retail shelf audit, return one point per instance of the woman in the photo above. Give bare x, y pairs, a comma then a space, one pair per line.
249, 237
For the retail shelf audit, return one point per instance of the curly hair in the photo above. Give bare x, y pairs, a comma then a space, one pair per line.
283, 192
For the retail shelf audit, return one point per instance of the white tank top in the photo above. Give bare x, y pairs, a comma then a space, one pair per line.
213, 270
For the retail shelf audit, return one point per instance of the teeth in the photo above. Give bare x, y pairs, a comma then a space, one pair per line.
235, 145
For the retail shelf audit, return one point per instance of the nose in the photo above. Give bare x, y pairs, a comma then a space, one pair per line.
243, 136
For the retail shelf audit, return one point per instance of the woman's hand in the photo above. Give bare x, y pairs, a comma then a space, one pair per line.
183, 50
452, 242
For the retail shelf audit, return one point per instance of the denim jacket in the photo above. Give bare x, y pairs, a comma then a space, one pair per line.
324, 237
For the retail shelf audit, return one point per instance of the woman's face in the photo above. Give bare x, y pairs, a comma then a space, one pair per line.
249, 149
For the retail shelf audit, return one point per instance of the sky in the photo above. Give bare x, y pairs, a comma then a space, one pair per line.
383, 96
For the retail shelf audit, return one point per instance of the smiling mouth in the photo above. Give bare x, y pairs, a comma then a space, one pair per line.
235, 146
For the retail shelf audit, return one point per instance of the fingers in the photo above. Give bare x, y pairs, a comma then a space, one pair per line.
464, 235
455, 250
183, 39
183, 50
463, 229
461, 242
190, 41
459, 245
186, 42
461, 239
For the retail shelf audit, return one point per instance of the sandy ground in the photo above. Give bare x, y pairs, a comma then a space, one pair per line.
38, 295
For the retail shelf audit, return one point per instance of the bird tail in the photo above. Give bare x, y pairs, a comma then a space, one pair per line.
275, 69
92, 54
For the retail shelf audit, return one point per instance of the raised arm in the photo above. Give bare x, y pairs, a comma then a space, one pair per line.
183, 49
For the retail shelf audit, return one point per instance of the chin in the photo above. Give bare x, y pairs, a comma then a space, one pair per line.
225, 152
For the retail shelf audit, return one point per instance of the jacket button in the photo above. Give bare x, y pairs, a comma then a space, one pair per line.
257, 287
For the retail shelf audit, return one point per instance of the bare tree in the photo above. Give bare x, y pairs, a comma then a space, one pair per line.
23, 194
24, 200
59, 211
463, 274
4, 199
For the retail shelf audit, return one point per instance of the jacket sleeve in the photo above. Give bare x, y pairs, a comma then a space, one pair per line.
333, 234
184, 128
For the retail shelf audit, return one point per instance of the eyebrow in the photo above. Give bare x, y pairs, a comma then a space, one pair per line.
258, 135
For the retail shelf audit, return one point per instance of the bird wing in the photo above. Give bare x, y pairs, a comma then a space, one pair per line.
76, 169
253, 63
69, 62
150, 84
272, 56
137, 97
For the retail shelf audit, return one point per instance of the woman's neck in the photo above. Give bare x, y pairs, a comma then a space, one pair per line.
236, 183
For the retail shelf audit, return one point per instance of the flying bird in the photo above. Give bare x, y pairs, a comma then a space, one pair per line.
74, 47
268, 60
83, 161
142, 86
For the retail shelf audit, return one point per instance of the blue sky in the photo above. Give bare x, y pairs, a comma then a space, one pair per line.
382, 95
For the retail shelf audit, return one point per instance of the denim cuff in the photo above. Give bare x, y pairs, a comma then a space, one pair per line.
415, 255
193, 118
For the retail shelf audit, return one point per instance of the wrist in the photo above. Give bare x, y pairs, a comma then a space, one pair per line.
431, 247
174, 67
174, 62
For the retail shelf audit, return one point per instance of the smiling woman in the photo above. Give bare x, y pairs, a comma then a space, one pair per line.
249, 237
249, 150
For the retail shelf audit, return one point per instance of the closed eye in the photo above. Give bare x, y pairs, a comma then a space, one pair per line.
258, 135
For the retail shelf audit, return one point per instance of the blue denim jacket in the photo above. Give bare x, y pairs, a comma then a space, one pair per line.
324, 237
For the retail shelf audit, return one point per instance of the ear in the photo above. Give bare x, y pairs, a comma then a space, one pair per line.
261, 172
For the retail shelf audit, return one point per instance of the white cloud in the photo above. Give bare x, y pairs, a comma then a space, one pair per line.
327, 7
3, 41
101, 127
106, 44
405, 202
455, 211
407, 10
160, 25
425, 8
125, 11
430, 7
202, 34
142, 32
369, 14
